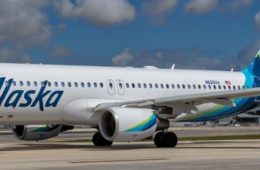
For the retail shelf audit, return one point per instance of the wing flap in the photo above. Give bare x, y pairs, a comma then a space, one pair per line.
219, 97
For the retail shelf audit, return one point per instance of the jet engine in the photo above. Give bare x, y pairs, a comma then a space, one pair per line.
38, 132
129, 124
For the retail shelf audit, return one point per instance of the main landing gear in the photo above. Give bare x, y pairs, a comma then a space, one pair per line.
161, 140
99, 140
165, 139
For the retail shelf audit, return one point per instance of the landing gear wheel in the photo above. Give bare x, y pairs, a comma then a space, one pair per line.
99, 140
168, 139
158, 139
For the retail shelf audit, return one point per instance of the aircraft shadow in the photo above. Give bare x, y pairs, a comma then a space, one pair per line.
27, 147
89, 147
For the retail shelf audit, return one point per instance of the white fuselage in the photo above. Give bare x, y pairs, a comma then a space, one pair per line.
106, 84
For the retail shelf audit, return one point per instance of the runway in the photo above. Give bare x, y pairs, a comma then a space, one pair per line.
63, 155
74, 156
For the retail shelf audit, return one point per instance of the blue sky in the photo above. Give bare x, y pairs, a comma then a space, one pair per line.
210, 34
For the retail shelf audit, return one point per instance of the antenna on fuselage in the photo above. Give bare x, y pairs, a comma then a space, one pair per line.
173, 66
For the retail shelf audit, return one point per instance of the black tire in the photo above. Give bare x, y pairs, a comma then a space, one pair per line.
158, 139
99, 140
168, 139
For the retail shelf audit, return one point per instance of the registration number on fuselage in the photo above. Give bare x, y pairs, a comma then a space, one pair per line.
213, 82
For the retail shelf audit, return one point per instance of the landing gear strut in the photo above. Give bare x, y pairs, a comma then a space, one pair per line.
99, 140
165, 139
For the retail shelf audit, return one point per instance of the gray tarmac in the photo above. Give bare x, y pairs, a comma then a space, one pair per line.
62, 154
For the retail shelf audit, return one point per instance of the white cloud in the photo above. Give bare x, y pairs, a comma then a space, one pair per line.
257, 21
99, 12
159, 8
246, 54
200, 6
23, 23
13, 56
238, 4
164, 58
123, 59
60, 52
234, 5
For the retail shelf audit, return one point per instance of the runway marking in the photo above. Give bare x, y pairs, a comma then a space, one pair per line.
120, 160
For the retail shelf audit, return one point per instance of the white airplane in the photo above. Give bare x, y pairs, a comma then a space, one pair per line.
123, 104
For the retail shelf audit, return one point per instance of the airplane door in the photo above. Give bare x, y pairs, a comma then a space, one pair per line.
120, 87
110, 87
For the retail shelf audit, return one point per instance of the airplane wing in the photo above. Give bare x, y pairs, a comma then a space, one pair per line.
220, 97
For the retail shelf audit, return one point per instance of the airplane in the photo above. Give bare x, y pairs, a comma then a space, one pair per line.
123, 104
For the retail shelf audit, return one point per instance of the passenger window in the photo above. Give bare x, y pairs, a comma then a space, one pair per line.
62, 84
127, 85
133, 85
145, 85
199, 86
229, 87
183, 86
69, 84
209, 86
82, 84
194, 86
95, 84
14, 83
173, 86
204, 86
151, 86
6, 83
178, 86
156, 85
139, 85
224, 87
189, 86
219, 87
120, 85
42, 83
49, 83
101, 85
238, 87
214, 87
56, 84
28, 83
35, 83
110, 85
234, 87
167, 86
162, 86
21, 83
76, 84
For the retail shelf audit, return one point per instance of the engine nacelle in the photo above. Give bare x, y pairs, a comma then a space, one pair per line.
38, 132
129, 124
